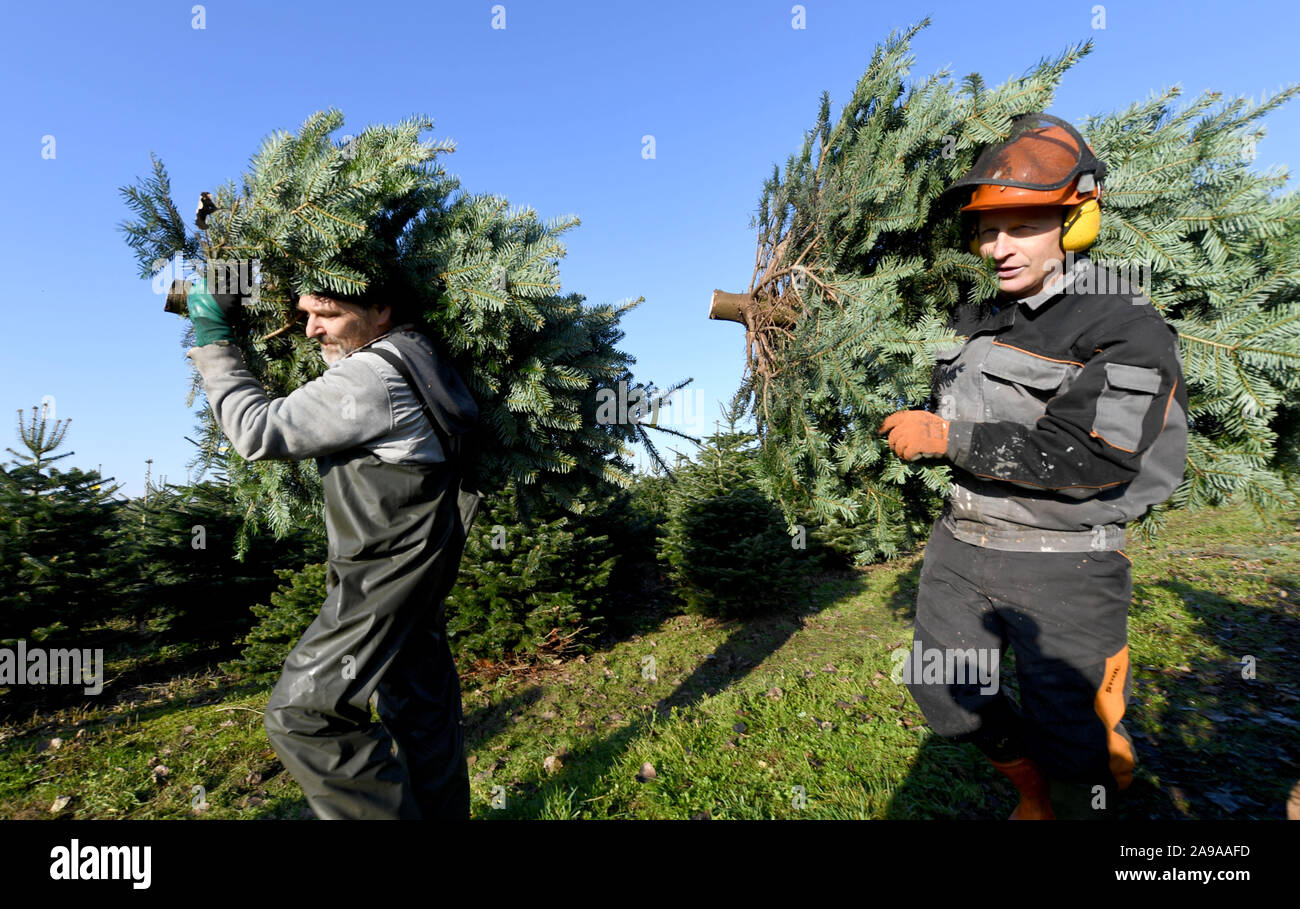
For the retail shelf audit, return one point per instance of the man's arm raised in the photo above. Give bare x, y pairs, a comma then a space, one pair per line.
346, 406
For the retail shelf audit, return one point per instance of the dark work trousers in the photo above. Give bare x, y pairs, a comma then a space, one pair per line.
396, 536
1065, 615
409, 766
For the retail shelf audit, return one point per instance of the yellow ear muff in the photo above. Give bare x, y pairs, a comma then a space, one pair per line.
973, 230
1082, 223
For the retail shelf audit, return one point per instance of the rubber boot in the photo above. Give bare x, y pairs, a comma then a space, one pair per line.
1035, 797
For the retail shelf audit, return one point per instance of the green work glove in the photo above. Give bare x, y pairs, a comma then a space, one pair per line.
210, 321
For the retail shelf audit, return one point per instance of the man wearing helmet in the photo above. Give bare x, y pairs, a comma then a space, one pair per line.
1064, 413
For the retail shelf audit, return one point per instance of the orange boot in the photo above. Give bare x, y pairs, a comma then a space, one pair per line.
1035, 799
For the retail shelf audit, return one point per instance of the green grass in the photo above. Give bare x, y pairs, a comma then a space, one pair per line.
790, 716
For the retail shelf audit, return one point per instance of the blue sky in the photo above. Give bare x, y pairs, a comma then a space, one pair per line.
549, 111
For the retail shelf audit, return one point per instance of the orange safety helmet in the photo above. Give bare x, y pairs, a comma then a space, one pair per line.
1044, 161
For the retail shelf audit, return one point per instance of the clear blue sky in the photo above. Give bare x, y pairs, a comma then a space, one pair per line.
549, 111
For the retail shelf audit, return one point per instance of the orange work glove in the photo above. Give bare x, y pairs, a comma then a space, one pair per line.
916, 434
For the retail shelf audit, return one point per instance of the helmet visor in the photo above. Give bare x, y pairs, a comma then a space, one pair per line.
1041, 153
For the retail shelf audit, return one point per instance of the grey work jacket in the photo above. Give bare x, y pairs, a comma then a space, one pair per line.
1067, 417
397, 504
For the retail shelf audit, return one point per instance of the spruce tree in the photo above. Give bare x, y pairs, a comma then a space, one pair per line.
862, 274
377, 217
56, 530
175, 549
294, 606
727, 551
538, 588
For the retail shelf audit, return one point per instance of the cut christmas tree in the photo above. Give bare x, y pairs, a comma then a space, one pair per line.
377, 218
861, 274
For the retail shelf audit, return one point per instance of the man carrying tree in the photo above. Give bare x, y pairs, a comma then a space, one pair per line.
1064, 413
383, 423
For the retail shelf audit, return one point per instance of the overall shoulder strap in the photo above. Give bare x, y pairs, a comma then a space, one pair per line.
450, 451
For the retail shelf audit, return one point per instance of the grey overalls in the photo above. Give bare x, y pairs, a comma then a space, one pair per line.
396, 535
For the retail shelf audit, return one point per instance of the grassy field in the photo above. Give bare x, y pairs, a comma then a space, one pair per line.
791, 716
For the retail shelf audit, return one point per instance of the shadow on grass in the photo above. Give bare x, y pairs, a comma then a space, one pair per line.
20, 702
748, 644
20, 802
145, 714
1223, 745
484, 723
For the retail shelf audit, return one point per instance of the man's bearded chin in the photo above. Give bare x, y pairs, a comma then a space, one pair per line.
339, 350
